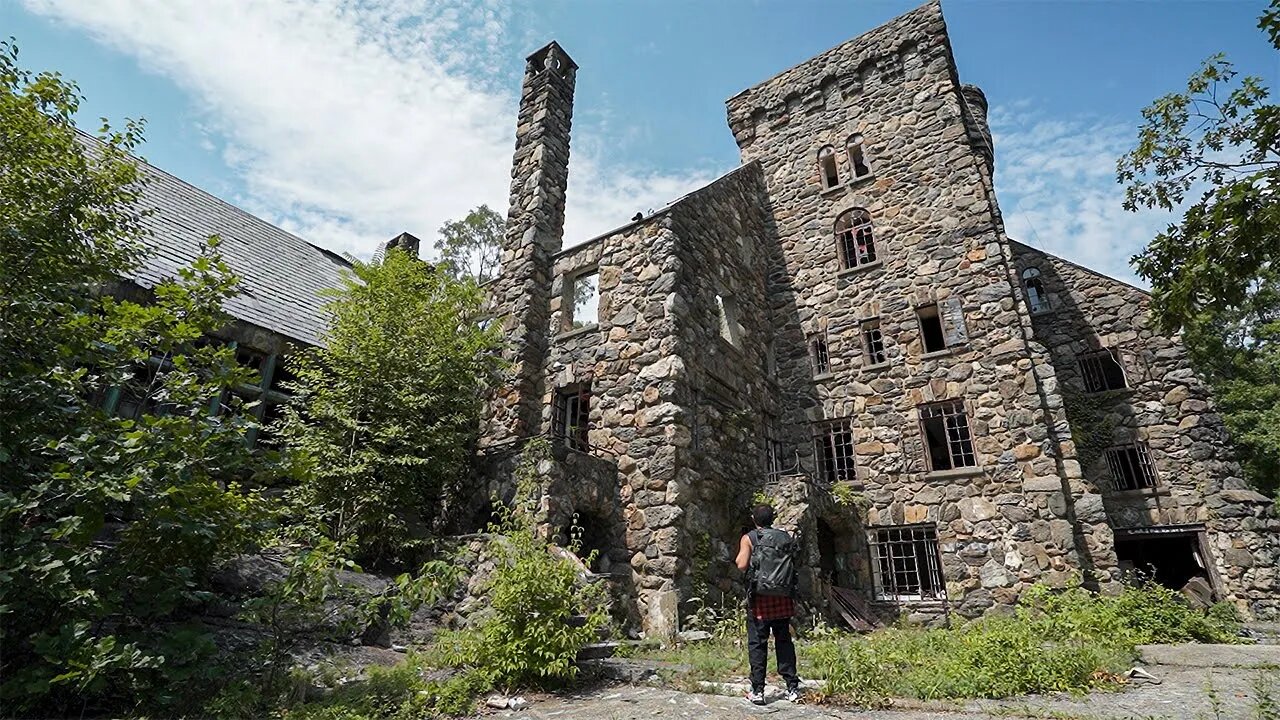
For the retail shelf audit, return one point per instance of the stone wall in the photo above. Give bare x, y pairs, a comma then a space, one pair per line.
1167, 407
1022, 515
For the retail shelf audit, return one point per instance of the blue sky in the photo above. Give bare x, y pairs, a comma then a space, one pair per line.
349, 121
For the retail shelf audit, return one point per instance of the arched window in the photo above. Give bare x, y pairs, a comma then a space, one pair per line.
827, 167
858, 157
854, 241
1036, 295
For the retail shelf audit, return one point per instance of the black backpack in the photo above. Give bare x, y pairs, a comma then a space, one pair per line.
773, 562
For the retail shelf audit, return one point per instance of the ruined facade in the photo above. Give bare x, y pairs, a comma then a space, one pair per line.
945, 415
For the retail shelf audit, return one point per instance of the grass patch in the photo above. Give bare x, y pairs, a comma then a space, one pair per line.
1055, 641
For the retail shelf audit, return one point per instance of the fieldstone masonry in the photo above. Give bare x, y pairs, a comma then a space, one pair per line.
700, 379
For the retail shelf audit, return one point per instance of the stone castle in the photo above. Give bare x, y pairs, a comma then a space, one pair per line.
841, 324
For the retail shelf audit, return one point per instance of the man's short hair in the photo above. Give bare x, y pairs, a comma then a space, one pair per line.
762, 515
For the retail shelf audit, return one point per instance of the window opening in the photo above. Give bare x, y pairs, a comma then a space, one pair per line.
1171, 556
1037, 298
946, 432
727, 309
819, 354
873, 342
1102, 371
827, 167
858, 157
572, 411
584, 294
1131, 467
834, 445
906, 564
931, 328
775, 455
854, 239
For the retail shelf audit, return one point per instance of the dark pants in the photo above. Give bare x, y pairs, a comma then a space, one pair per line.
758, 650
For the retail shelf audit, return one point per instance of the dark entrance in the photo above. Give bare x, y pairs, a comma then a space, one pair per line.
1170, 555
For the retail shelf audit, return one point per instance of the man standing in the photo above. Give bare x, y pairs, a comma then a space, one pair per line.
767, 556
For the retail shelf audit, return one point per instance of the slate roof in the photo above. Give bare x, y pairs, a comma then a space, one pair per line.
280, 273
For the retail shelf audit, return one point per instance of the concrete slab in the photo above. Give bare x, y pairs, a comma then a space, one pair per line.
1212, 656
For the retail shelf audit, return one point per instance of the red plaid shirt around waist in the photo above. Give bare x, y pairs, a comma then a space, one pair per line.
772, 607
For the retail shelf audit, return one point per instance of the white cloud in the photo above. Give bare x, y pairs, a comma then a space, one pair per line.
350, 121
1057, 188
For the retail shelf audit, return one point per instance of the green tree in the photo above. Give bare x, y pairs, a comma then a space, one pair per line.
108, 525
471, 247
386, 413
1216, 148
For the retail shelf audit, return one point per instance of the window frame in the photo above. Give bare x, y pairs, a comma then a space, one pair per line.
820, 354
869, 351
857, 143
568, 300
1142, 462
855, 239
1093, 371
828, 167
576, 400
1039, 302
832, 466
919, 538
942, 411
924, 334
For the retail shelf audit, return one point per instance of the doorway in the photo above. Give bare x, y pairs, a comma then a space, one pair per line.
1170, 555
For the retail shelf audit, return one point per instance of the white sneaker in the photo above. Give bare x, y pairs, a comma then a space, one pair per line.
792, 695
756, 697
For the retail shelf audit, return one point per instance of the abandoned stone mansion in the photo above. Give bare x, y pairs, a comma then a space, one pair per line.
841, 324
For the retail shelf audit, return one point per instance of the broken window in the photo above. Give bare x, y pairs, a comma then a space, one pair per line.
1171, 555
827, 167
1102, 371
730, 328
945, 428
1036, 296
572, 410
931, 334
819, 355
1131, 467
872, 343
854, 241
834, 449
583, 295
858, 157
775, 455
905, 563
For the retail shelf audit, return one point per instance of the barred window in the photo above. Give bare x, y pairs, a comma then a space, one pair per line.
906, 564
775, 455
833, 442
858, 157
854, 239
872, 343
572, 409
945, 428
819, 354
1036, 296
827, 167
1131, 467
1102, 371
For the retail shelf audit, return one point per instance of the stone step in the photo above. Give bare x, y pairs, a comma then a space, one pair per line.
1211, 656
597, 651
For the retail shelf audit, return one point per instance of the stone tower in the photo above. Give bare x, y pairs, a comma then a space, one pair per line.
535, 228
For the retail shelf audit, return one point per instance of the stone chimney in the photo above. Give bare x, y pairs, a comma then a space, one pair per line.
404, 241
521, 293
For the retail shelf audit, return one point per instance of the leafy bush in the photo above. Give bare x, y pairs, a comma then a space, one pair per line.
386, 413
401, 692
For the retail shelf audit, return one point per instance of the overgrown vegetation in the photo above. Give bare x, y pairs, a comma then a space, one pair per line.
386, 412
1070, 640
1214, 274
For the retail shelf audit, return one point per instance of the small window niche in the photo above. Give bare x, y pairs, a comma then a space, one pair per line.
1132, 467
1101, 371
1037, 298
873, 343
730, 327
570, 420
858, 157
855, 241
582, 297
932, 337
827, 169
819, 354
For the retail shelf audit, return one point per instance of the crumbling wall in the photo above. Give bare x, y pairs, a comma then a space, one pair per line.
1167, 406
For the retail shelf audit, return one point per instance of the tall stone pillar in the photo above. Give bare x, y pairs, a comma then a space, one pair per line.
521, 294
